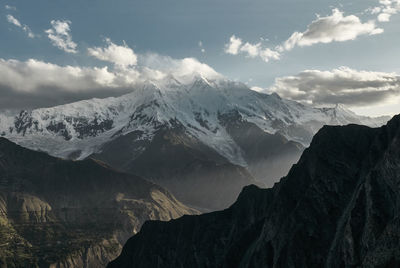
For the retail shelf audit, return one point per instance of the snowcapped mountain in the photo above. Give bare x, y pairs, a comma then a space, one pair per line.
203, 140
79, 129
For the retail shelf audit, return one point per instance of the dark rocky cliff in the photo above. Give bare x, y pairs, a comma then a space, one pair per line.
337, 207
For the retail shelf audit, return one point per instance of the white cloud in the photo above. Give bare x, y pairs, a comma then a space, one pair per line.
34, 83
252, 50
11, 19
60, 36
374, 10
342, 85
384, 17
32, 75
183, 70
236, 46
233, 46
333, 28
386, 10
119, 55
8, 7
258, 89
267, 54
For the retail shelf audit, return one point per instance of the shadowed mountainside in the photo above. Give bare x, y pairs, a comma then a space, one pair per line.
337, 207
193, 172
71, 213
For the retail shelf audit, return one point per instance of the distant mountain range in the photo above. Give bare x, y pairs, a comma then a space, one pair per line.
338, 207
63, 213
202, 140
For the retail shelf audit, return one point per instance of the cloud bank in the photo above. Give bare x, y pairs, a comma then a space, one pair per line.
60, 36
343, 85
34, 83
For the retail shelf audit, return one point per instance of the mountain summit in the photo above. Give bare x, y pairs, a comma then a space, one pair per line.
203, 139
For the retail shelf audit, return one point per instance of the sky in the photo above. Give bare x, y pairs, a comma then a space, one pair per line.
315, 52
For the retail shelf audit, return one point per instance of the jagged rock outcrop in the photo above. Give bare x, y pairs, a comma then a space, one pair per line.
339, 206
62, 213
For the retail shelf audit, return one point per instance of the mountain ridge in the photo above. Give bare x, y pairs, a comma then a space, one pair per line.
193, 126
337, 207
87, 124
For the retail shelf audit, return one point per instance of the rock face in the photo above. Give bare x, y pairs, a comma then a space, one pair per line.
62, 213
339, 206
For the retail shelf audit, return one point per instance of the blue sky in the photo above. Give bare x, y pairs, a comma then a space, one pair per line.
176, 28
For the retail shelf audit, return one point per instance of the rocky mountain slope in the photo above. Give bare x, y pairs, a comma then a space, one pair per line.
203, 140
62, 213
193, 172
337, 207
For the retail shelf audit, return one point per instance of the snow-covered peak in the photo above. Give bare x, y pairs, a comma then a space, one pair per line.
196, 105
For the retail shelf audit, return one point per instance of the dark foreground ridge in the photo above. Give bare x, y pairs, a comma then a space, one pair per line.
337, 207
60, 213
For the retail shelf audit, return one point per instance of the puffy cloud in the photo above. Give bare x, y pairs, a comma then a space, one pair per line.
252, 50
236, 46
267, 54
32, 75
152, 66
119, 55
34, 83
384, 17
182, 69
233, 46
333, 28
60, 35
387, 9
186, 68
11, 19
342, 85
